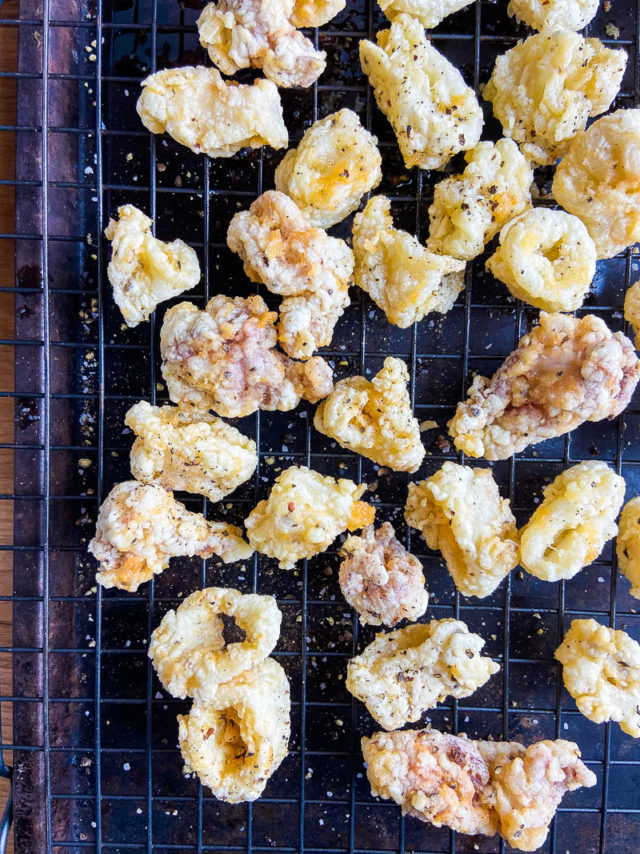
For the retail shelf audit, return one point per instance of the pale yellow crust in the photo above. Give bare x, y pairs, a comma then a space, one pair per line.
188, 649
185, 451
601, 671
335, 164
553, 14
468, 209
304, 513
403, 673
143, 270
374, 418
429, 12
545, 88
574, 522
432, 111
564, 372
632, 309
403, 278
459, 511
628, 544
236, 740
141, 527
315, 13
211, 115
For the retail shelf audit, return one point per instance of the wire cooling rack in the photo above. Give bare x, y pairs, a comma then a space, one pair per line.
93, 749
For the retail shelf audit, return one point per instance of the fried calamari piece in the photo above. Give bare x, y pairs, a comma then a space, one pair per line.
554, 14
402, 277
546, 258
432, 111
304, 513
632, 309
184, 451
374, 418
211, 115
334, 165
599, 181
143, 270
459, 511
242, 33
475, 786
566, 371
236, 740
628, 544
429, 12
545, 88
601, 671
574, 522
311, 270
468, 209
403, 673
380, 579
224, 358
188, 649
315, 13
141, 526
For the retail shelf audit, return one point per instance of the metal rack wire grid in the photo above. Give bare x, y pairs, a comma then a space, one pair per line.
93, 747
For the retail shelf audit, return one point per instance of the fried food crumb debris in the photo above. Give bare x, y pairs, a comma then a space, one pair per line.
181, 450
573, 523
564, 372
545, 89
601, 671
403, 673
476, 787
628, 544
335, 164
311, 270
381, 579
403, 278
434, 114
210, 115
304, 513
374, 418
224, 358
143, 270
459, 511
470, 208
141, 526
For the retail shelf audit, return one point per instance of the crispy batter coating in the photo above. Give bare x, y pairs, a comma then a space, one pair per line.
224, 358
211, 115
403, 673
141, 526
143, 270
188, 649
475, 786
242, 33
628, 544
601, 671
403, 278
374, 418
301, 263
599, 181
546, 258
315, 13
185, 451
632, 309
434, 114
381, 579
574, 522
428, 12
334, 165
459, 511
545, 88
566, 371
304, 513
554, 14
468, 209
236, 740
